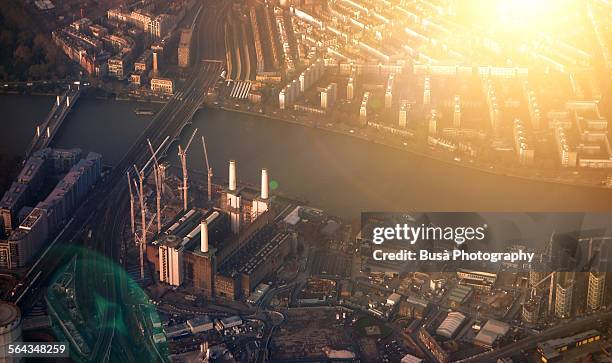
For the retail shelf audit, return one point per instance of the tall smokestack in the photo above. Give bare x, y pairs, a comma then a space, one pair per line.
232, 175
204, 236
264, 183
155, 64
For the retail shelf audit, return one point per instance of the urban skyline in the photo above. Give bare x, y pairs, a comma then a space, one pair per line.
201, 181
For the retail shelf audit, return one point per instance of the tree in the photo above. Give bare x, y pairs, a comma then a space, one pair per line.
23, 54
38, 71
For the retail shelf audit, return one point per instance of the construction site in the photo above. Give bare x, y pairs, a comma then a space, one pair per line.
212, 240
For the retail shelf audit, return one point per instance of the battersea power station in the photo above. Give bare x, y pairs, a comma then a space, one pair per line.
227, 250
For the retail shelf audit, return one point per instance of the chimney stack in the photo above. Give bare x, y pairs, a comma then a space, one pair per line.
154, 64
264, 184
232, 175
204, 236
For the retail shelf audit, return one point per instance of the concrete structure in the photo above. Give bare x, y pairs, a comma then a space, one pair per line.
532, 310
457, 112
200, 324
350, 89
492, 104
162, 85
568, 157
427, 91
403, 115
24, 242
433, 123
229, 322
155, 65
436, 349
171, 261
233, 199
328, 96
522, 143
389, 91
184, 54
204, 236
289, 94
393, 299
363, 110
408, 358
262, 203
491, 332
596, 290
181, 259
564, 295
451, 324
10, 329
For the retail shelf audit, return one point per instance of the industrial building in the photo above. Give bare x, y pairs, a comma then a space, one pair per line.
450, 326
183, 250
459, 295
481, 280
200, 324
226, 251
491, 332
228, 322
413, 307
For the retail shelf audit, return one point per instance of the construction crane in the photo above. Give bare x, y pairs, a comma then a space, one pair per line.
182, 152
158, 186
551, 278
142, 241
209, 171
143, 218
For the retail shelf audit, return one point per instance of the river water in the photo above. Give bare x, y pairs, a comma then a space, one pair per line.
342, 175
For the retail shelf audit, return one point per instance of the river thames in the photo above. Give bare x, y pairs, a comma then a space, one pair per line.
342, 175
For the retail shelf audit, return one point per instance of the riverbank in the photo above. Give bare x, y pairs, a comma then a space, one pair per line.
572, 178
342, 175
423, 152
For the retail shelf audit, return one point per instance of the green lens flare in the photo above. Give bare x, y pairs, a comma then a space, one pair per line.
273, 184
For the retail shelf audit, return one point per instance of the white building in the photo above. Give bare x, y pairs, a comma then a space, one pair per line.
171, 261
163, 85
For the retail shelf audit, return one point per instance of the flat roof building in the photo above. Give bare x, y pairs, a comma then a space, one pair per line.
162, 85
200, 324
184, 54
491, 332
451, 324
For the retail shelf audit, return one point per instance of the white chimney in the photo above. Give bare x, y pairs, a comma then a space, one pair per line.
232, 175
204, 236
264, 183
155, 64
